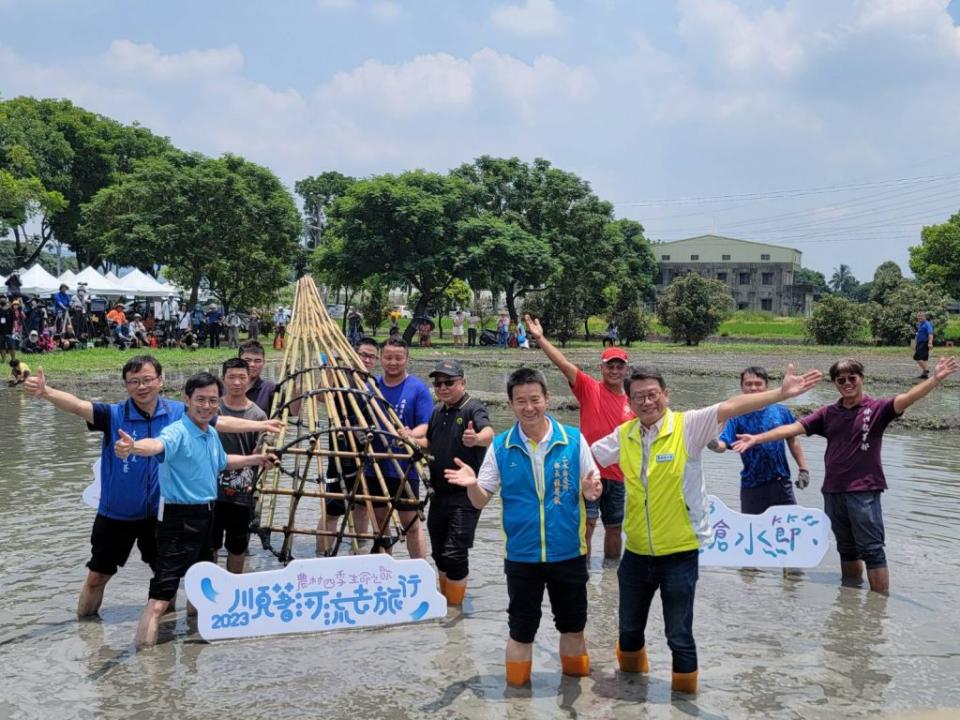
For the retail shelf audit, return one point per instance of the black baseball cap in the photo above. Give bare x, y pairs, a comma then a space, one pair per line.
451, 368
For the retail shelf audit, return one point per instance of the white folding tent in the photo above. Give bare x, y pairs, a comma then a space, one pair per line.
140, 284
37, 281
98, 284
111, 276
69, 278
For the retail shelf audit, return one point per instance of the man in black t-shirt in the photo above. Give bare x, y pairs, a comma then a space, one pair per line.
459, 428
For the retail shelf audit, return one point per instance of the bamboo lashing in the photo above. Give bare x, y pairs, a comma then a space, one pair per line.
332, 412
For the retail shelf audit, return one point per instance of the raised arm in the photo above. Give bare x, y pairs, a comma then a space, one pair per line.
792, 386
36, 386
535, 330
946, 366
235, 462
230, 424
745, 442
464, 476
126, 446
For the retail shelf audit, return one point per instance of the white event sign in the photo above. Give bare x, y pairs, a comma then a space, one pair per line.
790, 536
313, 595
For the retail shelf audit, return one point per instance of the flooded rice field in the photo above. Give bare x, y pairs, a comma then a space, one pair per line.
769, 647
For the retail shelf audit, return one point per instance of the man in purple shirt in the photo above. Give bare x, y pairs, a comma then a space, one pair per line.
853, 479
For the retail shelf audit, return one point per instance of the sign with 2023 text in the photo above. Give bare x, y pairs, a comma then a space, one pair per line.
790, 536
313, 595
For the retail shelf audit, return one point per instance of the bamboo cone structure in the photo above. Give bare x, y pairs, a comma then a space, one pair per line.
333, 412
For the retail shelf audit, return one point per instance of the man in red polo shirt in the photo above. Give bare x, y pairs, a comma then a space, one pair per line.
603, 408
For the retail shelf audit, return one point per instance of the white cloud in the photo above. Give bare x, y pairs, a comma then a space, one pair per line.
533, 17
130, 57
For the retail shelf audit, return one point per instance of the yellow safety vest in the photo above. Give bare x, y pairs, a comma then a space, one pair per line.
656, 518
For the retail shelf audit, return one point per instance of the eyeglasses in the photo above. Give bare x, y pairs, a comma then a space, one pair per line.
368, 356
206, 402
445, 383
140, 382
846, 379
650, 397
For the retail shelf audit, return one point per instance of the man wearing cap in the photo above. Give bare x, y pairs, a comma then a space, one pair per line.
459, 428
603, 407
117, 315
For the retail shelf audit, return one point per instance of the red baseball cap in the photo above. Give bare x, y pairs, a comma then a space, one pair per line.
614, 353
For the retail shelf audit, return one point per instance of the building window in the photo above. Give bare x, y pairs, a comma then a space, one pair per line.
764, 257
766, 278
744, 278
722, 277
766, 304
743, 306
724, 257
664, 257
694, 257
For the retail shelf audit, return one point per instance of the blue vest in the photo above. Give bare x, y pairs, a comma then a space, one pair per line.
129, 489
543, 518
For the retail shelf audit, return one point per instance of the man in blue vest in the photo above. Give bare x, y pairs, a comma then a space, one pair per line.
544, 472
129, 489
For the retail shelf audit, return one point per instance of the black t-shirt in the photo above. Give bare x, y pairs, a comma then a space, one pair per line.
6, 320
445, 433
261, 392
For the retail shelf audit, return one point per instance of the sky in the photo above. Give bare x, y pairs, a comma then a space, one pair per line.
830, 126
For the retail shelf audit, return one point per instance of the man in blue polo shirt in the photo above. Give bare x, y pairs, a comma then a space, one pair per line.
923, 342
191, 457
129, 490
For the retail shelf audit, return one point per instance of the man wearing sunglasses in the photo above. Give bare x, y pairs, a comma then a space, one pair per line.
459, 428
853, 479
129, 487
603, 408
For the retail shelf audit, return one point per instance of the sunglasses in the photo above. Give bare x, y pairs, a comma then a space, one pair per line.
846, 379
445, 383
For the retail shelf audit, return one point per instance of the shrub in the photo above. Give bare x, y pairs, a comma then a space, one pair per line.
893, 322
835, 320
693, 307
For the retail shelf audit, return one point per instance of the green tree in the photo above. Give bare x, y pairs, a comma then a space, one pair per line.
886, 278
225, 223
406, 228
557, 308
843, 282
693, 307
318, 195
835, 321
633, 323
806, 276
893, 322
457, 295
373, 306
937, 258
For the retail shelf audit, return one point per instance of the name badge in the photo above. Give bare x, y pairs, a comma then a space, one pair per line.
666, 457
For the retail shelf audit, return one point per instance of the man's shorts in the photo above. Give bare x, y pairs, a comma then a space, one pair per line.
231, 527
9, 342
857, 522
183, 539
756, 500
393, 484
609, 506
566, 584
922, 351
112, 540
337, 507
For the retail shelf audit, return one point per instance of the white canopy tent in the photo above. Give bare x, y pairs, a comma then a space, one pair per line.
69, 278
98, 284
140, 284
37, 281
111, 276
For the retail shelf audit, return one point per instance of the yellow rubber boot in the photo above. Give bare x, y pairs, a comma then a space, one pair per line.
634, 661
454, 591
575, 665
685, 682
518, 672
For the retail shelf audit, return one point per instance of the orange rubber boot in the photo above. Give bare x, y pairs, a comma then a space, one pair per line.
575, 665
518, 672
634, 661
443, 584
455, 591
685, 682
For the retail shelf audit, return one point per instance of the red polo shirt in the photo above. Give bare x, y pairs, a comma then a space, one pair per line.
601, 412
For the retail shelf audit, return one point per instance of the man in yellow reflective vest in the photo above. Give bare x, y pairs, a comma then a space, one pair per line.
666, 510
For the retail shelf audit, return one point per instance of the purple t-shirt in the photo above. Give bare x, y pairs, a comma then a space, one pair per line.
854, 439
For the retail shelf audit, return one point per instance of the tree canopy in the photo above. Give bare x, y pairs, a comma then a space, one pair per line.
937, 258
693, 307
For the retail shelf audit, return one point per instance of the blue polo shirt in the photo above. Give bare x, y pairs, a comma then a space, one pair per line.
766, 462
190, 463
924, 331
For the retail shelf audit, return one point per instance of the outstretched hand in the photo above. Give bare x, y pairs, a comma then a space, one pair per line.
124, 446
268, 460
35, 384
463, 475
534, 329
591, 486
945, 367
274, 426
794, 385
743, 443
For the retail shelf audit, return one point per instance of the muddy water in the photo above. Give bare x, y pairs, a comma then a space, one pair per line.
769, 647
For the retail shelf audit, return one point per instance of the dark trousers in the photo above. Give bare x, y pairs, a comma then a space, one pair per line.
471, 336
213, 332
640, 576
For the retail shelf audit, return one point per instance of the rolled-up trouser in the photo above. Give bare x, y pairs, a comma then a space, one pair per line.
183, 538
452, 523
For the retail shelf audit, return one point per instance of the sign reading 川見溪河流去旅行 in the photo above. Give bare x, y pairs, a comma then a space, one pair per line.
313, 595
788, 536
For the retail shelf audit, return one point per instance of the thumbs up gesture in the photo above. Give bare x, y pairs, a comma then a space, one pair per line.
124, 446
36, 384
470, 435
